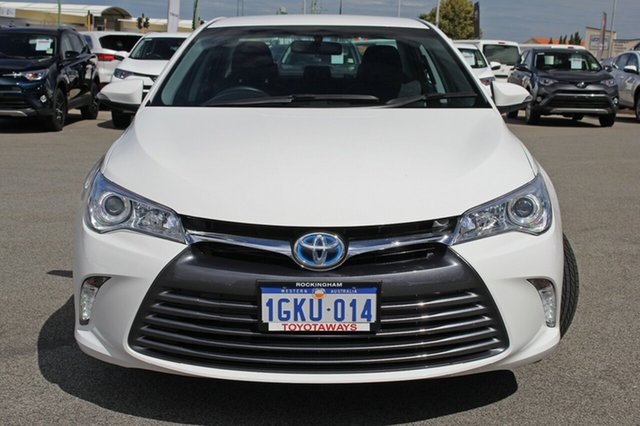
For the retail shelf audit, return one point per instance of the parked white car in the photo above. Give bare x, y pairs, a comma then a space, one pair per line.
478, 63
386, 226
146, 61
498, 52
110, 47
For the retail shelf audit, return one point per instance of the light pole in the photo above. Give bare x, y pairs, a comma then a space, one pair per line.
613, 17
59, 13
399, 7
438, 14
196, 19
240, 11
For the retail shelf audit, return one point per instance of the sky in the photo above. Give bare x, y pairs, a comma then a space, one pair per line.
516, 20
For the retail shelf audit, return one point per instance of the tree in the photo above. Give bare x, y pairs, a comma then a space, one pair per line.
456, 18
550, 40
576, 38
571, 39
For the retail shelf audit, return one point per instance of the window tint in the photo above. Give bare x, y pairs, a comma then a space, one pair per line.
633, 60
504, 54
566, 60
119, 42
320, 67
156, 48
621, 62
87, 39
16, 45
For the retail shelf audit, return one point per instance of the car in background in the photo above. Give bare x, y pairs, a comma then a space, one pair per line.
502, 52
625, 68
249, 227
146, 61
110, 47
44, 73
478, 63
569, 82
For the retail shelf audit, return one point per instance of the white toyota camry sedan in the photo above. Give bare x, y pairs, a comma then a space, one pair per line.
331, 219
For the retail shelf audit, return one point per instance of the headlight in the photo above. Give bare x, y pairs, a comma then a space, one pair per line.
609, 83
526, 209
111, 208
121, 74
547, 81
35, 75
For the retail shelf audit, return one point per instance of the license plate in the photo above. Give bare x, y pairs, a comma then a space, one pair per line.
318, 307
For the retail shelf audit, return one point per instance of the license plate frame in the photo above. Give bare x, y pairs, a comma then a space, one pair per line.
332, 290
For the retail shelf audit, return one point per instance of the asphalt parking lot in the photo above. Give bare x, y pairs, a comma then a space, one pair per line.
593, 377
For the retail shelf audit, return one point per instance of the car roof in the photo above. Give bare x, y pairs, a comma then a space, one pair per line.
166, 35
557, 49
315, 20
106, 33
34, 30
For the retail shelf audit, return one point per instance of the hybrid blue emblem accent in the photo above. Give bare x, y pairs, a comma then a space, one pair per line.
319, 251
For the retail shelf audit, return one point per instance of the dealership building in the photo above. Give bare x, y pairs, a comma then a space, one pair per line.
82, 17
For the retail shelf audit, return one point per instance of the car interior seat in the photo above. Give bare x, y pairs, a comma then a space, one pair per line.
252, 65
380, 72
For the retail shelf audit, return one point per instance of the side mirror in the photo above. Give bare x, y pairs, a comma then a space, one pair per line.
509, 97
495, 65
608, 68
70, 54
633, 69
523, 67
125, 95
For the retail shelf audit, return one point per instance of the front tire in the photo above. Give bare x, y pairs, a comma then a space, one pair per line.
55, 122
531, 116
90, 112
570, 287
120, 119
607, 120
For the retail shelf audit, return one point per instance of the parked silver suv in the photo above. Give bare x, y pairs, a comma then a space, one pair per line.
625, 68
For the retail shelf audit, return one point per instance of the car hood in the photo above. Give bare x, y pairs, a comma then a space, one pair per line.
575, 76
10, 65
146, 67
318, 167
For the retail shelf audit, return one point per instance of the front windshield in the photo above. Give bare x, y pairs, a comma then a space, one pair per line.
505, 54
319, 67
474, 58
27, 46
566, 60
156, 48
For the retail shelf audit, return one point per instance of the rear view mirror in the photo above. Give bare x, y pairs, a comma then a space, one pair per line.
125, 95
509, 97
314, 48
495, 65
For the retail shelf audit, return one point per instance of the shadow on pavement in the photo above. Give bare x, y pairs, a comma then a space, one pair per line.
205, 401
32, 125
553, 122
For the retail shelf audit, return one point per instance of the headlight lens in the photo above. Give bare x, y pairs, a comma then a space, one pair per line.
527, 209
609, 83
112, 208
121, 74
547, 81
35, 75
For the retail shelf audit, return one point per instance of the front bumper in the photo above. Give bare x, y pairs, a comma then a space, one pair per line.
20, 99
594, 99
141, 267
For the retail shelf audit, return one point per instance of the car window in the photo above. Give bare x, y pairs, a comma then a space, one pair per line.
76, 43
23, 45
502, 53
156, 48
633, 60
473, 57
124, 42
87, 39
323, 64
621, 61
566, 61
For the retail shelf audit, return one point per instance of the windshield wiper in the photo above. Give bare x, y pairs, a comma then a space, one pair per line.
398, 102
294, 99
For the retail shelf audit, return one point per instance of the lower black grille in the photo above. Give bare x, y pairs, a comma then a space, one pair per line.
13, 101
202, 311
579, 102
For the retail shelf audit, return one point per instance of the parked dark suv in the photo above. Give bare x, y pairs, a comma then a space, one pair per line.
569, 82
44, 73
